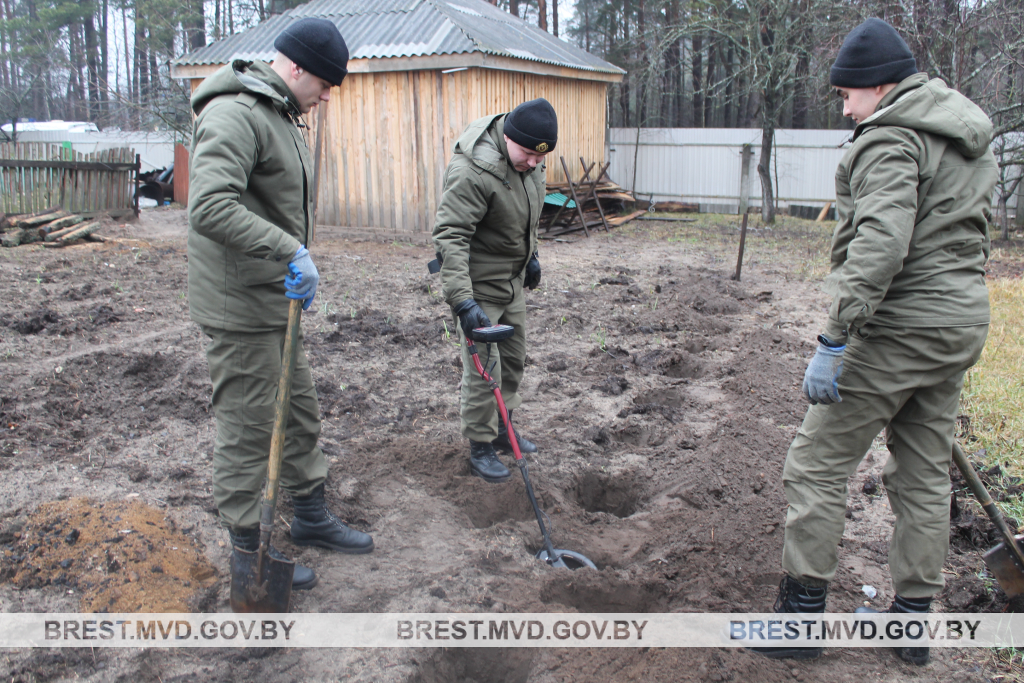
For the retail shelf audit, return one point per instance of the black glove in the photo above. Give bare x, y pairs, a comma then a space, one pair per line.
471, 316
532, 279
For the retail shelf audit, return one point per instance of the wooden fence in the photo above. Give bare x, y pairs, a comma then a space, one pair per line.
37, 175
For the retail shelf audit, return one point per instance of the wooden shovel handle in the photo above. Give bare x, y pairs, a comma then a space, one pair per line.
281, 405
981, 493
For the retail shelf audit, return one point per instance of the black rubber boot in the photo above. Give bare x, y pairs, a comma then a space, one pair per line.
796, 598
314, 524
484, 463
505, 446
249, 539
900, 605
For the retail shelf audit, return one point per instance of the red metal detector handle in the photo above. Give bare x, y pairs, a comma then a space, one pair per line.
497, 394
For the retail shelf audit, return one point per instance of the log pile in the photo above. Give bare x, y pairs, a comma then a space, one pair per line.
618, 206
53, 227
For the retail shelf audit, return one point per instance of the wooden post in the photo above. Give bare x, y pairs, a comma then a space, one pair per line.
745, 157
321, 117
743, 239
137, 169
572, 190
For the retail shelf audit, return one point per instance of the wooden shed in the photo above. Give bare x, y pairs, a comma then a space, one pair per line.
419, 72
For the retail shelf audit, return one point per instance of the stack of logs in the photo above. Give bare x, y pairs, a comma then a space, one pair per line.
54, 227
614, 200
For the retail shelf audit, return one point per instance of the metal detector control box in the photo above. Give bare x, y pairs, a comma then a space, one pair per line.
494, 333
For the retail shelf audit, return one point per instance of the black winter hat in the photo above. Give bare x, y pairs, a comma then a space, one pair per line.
315, 45
534, 125
873, 54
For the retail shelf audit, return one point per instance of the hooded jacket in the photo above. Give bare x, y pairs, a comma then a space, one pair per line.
913, 195
248, 207
486, 224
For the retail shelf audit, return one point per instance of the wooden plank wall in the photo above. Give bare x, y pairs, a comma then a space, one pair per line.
27, 190
390, 135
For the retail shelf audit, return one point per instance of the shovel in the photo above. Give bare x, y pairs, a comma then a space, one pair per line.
1005, 561
259, 582
566, 559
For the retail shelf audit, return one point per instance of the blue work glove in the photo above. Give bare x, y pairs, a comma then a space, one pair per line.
471, 316
304, 278
532, 278
821, 381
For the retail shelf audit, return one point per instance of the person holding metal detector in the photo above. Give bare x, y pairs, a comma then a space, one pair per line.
250, 210
909, 317
485, 234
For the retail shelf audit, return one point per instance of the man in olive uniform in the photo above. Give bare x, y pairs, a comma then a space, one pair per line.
909, 317
485, 234
249, 210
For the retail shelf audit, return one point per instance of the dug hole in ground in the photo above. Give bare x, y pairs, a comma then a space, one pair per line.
662, 395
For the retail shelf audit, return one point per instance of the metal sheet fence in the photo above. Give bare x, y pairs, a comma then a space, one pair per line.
35, 176
703, 164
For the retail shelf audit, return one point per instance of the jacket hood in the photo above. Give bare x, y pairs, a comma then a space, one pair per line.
256, 78
931, 107
480, 147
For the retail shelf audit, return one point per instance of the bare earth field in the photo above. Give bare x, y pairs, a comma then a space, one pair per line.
662, 394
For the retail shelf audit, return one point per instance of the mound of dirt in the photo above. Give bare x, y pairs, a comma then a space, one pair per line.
121, 556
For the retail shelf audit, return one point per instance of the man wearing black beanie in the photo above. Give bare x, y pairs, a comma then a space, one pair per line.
485, 234
249, 213
909, 317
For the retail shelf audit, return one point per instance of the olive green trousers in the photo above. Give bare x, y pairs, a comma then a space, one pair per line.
479, 408
245, 368
906, 381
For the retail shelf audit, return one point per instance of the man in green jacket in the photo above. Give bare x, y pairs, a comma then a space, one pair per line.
909, 317
485, 234
249, 210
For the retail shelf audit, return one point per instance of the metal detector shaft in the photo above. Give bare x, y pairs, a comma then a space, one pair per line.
520, 460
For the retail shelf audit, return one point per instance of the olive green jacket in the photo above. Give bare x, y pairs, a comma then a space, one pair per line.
913, 195
248, 205
486, 224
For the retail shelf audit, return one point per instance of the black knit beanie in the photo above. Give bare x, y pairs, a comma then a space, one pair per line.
315, 45
533, 125
873, 54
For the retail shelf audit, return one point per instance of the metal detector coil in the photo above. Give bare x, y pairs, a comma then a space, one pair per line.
494, 333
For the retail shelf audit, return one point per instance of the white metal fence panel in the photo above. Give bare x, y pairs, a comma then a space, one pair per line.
703, 165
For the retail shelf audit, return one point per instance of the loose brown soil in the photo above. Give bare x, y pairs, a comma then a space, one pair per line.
662, 395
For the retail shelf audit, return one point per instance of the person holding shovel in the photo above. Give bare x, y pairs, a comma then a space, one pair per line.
909, 317
249, 211
485, 234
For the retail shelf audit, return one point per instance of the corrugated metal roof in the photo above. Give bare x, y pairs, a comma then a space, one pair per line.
378, 29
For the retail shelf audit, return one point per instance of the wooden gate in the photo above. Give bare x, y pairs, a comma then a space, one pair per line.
37, 175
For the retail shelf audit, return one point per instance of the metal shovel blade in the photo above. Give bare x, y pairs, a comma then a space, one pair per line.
566, 559
1003, 565
269, 591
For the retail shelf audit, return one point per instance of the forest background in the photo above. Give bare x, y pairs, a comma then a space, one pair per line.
704, 64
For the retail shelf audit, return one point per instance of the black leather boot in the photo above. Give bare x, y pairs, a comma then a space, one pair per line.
314, 524
484, 463
505, 446
796, 598
900, 605
249, 539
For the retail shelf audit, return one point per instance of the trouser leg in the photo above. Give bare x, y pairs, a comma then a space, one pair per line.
478, 406
916, 476
885, 371
245, 369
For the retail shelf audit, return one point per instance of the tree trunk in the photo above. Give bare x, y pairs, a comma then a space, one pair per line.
1004, 219
542, 14
554, 18
709, 96
197, 25
764, 172
696, 77
513, 7
92, 60
729, 90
